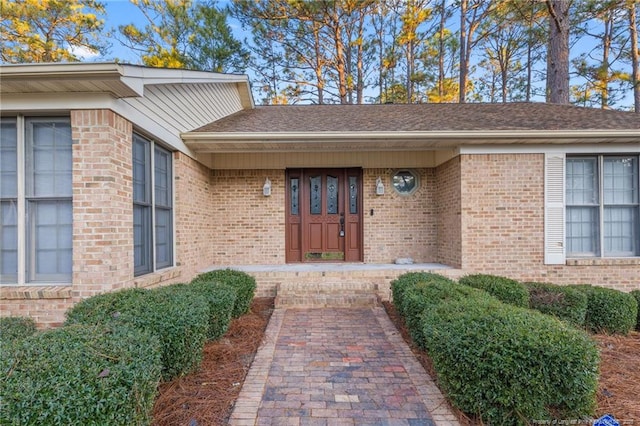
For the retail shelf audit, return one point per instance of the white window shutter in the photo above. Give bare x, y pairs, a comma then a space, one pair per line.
554, 209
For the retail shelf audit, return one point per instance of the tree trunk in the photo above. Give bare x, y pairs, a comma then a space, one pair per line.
604, 71
360, 61
463, 52
558, 54
635, 56
441, 51
341, 67
410, 64
530, 44
318, 63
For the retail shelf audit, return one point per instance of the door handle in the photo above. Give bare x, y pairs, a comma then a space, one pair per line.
342, 224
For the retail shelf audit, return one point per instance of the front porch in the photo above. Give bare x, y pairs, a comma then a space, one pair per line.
332, 284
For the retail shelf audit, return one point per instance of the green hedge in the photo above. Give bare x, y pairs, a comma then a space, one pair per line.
505, 289
636, 294
566, 303
408, 281
507, 364
609, 311
14, 328
244, 284
105, 307
174, 314
81, 375
511, 365
426, 295
221, 299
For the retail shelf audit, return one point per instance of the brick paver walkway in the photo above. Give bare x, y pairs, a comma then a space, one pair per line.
337, 367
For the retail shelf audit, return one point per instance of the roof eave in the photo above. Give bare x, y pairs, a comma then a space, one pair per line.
499, 136
211, 142
124, 80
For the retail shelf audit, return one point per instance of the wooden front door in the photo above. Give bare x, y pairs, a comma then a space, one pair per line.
323, 215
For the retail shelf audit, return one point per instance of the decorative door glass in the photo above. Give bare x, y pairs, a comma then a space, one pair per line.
295, 196
316, 194
353, 195
332, 195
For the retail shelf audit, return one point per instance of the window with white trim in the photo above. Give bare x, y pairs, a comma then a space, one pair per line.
602, 206
152, 206
35, 200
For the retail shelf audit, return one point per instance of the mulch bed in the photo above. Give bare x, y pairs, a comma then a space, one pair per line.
619, 386
207, 396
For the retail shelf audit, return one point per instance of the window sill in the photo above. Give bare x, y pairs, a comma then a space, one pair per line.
604, 261
35, 292
155, 278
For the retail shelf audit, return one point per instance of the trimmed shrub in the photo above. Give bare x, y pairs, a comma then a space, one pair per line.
81, 375
177, 316
566, 303
504, 289
180, 320
426, 295
14, 328
636, 294
244, 284
609, 311
408, 281
221, 300
105, 307
510, 365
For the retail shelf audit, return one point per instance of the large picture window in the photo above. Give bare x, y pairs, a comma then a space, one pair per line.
152, 206
35, 171
602, 206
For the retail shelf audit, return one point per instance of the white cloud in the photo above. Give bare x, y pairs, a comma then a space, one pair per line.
83, 52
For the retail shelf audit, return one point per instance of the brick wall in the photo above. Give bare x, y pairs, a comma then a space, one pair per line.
247, 227
448, 207
194, 215
102, 206
503, 225
401, 226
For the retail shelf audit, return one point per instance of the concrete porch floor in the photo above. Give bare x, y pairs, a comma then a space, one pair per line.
331, 284
333, 267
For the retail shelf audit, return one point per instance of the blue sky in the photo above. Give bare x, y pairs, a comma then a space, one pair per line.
122, 12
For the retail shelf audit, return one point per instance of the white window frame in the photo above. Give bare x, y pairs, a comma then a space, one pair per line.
151, 228
600, 207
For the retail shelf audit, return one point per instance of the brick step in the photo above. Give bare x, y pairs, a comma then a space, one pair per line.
298, 287
326, 294
324, 300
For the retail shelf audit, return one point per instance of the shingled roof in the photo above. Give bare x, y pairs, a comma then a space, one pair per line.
422, 118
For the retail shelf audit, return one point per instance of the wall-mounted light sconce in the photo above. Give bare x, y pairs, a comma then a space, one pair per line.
379, 186
266, 189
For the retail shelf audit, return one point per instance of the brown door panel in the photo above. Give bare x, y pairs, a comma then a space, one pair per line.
324, 210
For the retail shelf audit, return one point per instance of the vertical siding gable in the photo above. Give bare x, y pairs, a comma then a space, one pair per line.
184, 107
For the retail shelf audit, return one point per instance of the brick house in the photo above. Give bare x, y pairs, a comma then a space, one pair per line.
116, 176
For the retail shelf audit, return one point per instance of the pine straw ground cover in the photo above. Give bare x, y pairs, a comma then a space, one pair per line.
207, 396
